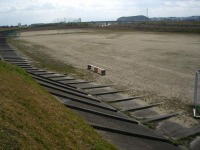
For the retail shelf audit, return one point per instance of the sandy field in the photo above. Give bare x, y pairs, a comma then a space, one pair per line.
146, 62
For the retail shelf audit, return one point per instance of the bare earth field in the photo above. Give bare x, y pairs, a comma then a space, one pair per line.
148, 63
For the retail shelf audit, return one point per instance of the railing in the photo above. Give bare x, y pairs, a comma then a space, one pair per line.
196, 113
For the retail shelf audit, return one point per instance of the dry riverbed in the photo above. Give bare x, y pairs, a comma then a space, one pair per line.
160, 66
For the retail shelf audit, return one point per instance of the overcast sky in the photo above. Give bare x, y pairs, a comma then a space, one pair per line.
36, 11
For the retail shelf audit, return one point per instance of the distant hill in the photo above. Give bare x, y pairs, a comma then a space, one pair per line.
133, 18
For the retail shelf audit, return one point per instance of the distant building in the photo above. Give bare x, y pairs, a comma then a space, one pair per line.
67, 20
19, 24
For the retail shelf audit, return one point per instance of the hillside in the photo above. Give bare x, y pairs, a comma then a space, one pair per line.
133, 18
33, 119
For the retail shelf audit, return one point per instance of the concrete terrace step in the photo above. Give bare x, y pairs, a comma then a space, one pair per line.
63, 79
96, 87
186, 132
141, 107
160, 117
78, 99
76, 93
120, 125
101, 113
124, 99
124, 142
106, 93
56, 83
78, 105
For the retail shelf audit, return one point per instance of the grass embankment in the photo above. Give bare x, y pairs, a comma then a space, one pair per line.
58, 26
159, 26
33, 119
43, 60
7, 29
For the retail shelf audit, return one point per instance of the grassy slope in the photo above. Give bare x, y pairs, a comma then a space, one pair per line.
33, 119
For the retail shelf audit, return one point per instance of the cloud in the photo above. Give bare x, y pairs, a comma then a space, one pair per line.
36, 10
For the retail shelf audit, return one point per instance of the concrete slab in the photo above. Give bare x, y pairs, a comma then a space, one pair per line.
78, 99
4, 46
101, 114
129, 133
119, 125
127, 104
98, 90
147, 113
27, 67
82, 105
84, 85
20, 63
63, 78
50, 75
79, 82
56, 83
71, 81
160, 117
140, 107
44, 73
195, 145
181, 147
33, 69
7, 52
13, 60
96, 87
36, 71
66, 90
15, 57
124, 99
5, 55
186, 132
57, 76
123, 142
7, 49
97, 111
167, 128
111, 97
107, 93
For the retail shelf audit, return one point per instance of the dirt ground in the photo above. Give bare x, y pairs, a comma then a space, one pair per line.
148, 63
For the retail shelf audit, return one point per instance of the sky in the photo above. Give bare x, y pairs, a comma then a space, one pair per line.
13, 12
